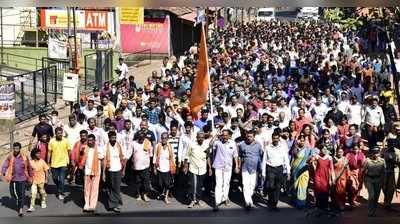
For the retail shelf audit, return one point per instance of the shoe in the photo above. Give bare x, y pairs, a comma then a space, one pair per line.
44, 205
248, 206
216, 208
61, 197
145, 198
192, 204
227, 202
200, 203
372, 215
166, 200
20, 214
31, 209
116, 210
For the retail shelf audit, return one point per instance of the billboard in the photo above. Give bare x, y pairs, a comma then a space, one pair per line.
132, 15
95, 20
153, 34
7, 106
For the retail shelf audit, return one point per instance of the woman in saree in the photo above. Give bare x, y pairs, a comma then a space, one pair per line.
356, 159
300, 175
341, 167
310, 137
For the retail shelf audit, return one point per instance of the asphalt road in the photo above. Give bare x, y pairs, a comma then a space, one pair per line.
70, 211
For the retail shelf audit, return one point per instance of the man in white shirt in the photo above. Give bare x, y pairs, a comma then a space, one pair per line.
354, 112
113, 169
122, 69
92, 166
375, 121
125, 139
344, 103
185, 140
71, 131
275, 161
196, 159
231, 109
224, 153
319, 111
90, 111
142, 152
126, 112
101, 136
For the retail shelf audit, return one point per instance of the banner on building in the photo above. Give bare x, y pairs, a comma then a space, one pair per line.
57, 49
95, 20
153, 34
132, 15
7, 106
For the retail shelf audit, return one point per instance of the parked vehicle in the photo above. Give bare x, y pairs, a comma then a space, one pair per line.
266, 14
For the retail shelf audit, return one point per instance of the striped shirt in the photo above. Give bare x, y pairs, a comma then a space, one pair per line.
174, 142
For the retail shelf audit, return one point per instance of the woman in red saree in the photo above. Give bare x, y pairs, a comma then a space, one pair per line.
356, 160
341, 174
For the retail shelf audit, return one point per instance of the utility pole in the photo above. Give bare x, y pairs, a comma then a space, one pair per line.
75, 57
392, 63
1, 33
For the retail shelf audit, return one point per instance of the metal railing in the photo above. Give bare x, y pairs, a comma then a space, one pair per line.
21, 62
98, 68
136, 57
55, 80
31, 92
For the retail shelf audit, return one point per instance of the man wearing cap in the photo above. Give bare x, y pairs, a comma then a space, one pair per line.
374, 169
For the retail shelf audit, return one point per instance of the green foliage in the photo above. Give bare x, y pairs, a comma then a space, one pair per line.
337, 16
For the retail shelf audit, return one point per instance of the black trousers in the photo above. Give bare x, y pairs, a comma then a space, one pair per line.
322, 200
114, 189
142, 180
273, 184
195, 186
17, 191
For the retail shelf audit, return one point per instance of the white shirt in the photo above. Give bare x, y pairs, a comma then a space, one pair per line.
125, 139
90, 113
184, 142
124, 71
343, 106
163, 165
320, 112
115, 162
276, 156
374, 116
72, 133
197, 158
141, 158
101, 136
89, 160
127, 114
354, 113
232, 109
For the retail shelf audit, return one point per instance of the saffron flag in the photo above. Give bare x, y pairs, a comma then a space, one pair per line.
200, 86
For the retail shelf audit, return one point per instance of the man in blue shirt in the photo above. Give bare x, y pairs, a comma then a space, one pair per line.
200, 123
250, 153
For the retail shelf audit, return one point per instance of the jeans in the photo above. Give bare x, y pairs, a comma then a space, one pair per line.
58, 175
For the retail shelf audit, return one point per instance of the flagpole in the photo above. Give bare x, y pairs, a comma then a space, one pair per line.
208, 73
